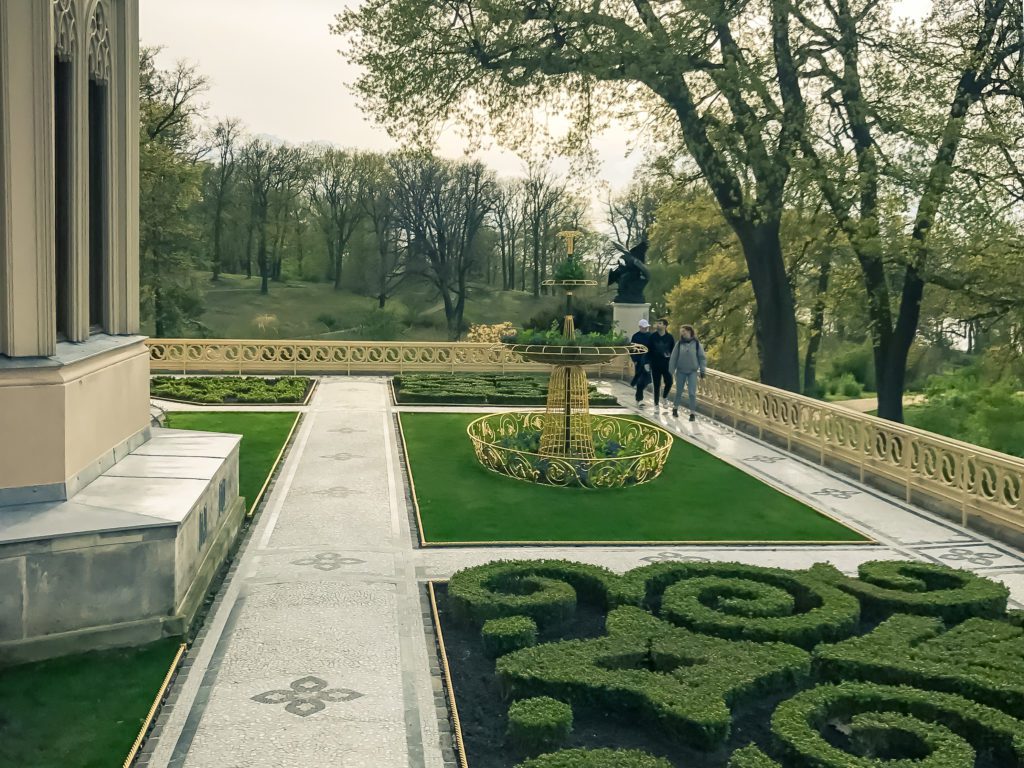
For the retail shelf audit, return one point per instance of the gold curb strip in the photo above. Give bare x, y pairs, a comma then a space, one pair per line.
273, 468
156, 705
412, 485
460, 747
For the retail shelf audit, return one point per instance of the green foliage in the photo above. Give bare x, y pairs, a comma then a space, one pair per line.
597, 758
501, 636
946, 730
545, 590
762, 604
751, 757
588, 316
471, 388
980, 659
679, 682
570, 269
844, 385
538, 724
924, 589
231, 389
857, 363
553, 337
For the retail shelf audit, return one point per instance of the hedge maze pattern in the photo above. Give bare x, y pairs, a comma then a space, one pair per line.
909, 665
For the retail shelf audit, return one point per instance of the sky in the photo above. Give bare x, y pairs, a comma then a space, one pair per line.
274, 65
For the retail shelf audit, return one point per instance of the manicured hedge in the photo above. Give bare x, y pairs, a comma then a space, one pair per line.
231, 389
627, 672
544, 590
597, 758
981, 659
751, 757
745, 602
481, 388
884, 717
925, 589
501, 636
539, 724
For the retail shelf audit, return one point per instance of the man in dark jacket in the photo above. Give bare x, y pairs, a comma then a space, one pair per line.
641, 367
660, 346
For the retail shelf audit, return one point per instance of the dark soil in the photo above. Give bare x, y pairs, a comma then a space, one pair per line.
483, 710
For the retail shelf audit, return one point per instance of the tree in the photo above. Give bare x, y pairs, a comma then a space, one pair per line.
377, 199
441, 207
169, 192
544, 203
225, 140
697, 64
334, 189
904, 106
507, 220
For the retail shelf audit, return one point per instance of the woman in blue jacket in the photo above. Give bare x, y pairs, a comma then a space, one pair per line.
686, 363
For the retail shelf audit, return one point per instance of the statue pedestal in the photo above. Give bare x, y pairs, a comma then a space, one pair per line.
626, 317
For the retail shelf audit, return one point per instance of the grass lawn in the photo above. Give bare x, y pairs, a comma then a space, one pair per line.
697, 498
83, 711
263, 435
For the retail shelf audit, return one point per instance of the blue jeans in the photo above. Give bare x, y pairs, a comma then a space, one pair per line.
689, 382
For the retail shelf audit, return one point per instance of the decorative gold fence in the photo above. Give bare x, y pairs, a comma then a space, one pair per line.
925, 468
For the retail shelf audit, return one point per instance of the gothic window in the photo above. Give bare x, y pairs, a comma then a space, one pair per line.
65, 35
99, 154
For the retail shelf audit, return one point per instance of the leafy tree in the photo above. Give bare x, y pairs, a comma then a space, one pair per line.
226, 134
334, 189
377, 199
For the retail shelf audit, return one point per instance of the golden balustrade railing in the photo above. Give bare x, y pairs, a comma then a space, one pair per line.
927, 469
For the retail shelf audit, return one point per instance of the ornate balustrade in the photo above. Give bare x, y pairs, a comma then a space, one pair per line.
925, 468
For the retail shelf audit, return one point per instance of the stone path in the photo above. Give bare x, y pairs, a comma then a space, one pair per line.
315, 651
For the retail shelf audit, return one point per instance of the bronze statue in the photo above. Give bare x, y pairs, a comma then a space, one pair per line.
631, 274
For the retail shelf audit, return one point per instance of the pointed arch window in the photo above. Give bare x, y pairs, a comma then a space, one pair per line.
65, 38
99, 164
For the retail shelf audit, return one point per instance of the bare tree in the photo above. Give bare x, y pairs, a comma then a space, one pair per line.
334, 189
377, 198
225, 137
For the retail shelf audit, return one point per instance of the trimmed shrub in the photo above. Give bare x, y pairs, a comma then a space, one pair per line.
943, 729
980, 659
544, 590
597, 758
678, 681
535, 725
228, 389
501, 636
745, 602
751, 757
481, 388
925, 589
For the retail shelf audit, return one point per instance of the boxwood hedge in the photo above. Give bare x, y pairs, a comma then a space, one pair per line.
678, 681
751, 757
981, 659
501, 636
231, 389
948, 729
926, 589
481, 388
539, 724
544, 590
597, 758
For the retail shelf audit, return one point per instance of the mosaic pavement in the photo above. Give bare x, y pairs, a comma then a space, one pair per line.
315, 651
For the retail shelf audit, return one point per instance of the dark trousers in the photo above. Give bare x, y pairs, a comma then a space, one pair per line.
641, 379
661, 375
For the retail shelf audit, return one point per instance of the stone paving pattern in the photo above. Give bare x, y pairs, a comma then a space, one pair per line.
319, 648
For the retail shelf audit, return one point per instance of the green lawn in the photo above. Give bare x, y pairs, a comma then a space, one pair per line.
83, 711
263, 434
697, 498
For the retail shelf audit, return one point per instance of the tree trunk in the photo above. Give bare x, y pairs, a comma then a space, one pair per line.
218, 216
890, 396
774, 311
381, 300
337, 265
262, 260
817, 324
248, 252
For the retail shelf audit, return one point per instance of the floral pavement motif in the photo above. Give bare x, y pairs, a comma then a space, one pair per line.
307, 696
328, 561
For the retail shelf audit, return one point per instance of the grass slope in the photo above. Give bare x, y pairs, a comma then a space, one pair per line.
697, 498
263, 434
83, 711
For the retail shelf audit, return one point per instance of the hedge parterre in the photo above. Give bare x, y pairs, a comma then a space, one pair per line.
939, 683
481, 389
252, 390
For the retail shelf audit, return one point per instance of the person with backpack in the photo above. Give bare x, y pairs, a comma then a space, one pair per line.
660, 348
641, 366
686, 363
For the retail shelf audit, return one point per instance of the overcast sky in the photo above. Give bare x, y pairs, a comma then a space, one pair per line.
275, 65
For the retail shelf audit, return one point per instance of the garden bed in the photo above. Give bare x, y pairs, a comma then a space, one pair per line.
697, 498
480, 389
232, 390
716, 665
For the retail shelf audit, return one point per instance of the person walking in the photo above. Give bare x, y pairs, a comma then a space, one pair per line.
686, 363
660, 349
641, 365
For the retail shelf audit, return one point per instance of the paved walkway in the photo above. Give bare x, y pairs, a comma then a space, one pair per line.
315, 652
